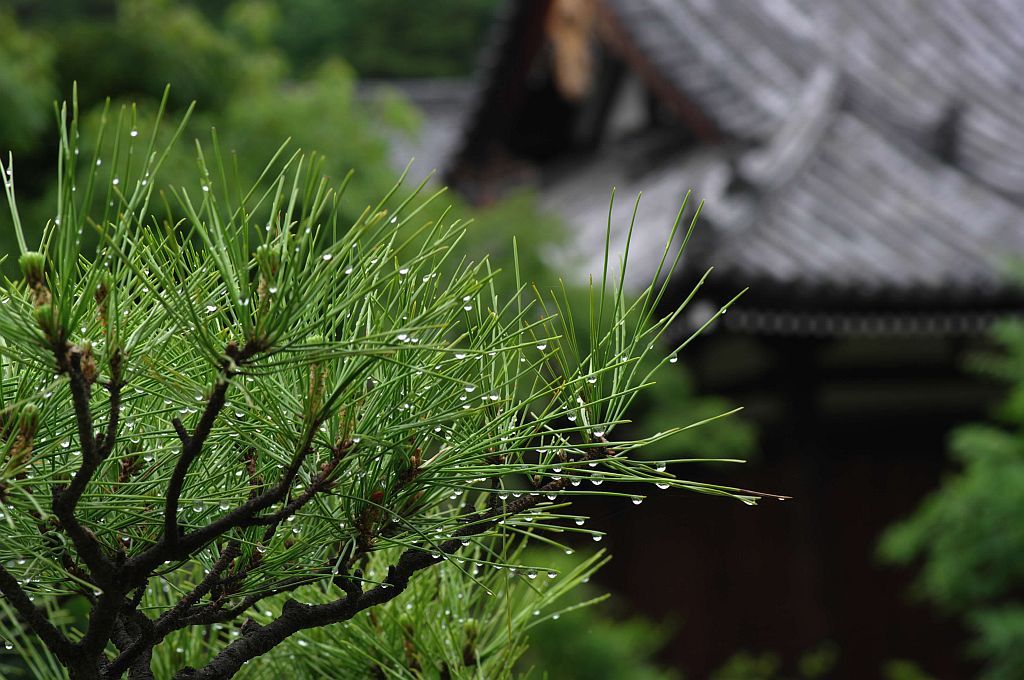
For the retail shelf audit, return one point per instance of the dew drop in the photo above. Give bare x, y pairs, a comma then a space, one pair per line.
327, 257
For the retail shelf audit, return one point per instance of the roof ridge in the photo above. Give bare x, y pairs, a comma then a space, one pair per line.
770, 165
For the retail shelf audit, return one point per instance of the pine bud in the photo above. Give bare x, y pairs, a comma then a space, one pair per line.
28, 424
317, 377
101, 294
32, 266
29, 420
88, 365
268, 260
46, 319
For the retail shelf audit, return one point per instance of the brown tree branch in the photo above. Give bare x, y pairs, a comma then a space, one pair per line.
152, 634
295, 616
189, 451
65, 500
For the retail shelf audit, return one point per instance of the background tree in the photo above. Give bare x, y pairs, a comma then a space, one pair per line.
967, 535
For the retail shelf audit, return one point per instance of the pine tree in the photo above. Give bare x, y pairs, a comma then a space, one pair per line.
239, 424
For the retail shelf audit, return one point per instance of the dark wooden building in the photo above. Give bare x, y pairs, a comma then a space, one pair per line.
862, 165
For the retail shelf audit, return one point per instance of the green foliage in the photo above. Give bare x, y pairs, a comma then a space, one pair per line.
599, 640
144, 44
588, 644
968, 535
748, 666
446, 624
903, 669
404, 38
261, 401
673, 397
148, 43
814, 664
394, 39
27, 83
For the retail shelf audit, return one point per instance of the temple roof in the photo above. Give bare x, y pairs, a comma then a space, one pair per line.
865, 155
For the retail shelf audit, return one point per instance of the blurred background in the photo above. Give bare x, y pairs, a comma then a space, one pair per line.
863, 171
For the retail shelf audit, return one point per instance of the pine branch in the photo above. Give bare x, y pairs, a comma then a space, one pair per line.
191, 448
387, 394
65, 500
146, 637
296, 617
